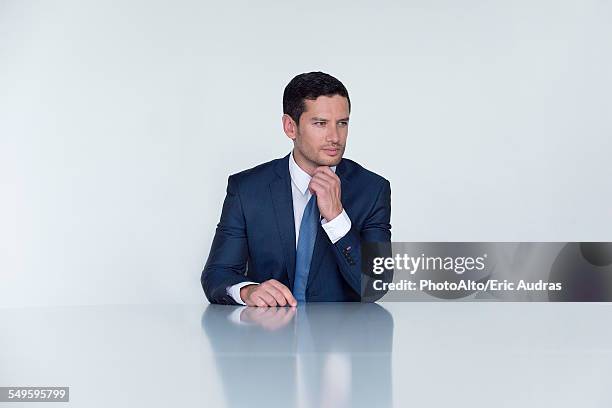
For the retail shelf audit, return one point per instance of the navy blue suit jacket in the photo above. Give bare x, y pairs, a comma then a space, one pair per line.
255, 238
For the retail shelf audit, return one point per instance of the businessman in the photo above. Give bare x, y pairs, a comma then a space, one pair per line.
291, 229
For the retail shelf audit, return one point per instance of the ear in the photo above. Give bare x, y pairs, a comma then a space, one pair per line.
289, 126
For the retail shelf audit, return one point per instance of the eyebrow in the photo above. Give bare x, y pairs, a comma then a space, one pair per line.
315, 119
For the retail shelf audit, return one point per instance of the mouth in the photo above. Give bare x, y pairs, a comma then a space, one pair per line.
332, 151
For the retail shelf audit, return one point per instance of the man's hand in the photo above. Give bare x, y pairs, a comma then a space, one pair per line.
326, 186
268, 293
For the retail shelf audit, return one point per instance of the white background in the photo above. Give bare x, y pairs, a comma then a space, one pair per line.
121, 121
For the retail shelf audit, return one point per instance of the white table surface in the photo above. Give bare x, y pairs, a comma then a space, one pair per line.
353, 355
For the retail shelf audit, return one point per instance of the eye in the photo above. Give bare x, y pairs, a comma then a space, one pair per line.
319, 123
343, 123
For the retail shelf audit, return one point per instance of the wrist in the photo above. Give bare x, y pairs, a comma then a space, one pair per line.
333, 214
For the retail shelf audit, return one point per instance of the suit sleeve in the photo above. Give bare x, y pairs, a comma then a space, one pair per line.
226, 264
376, 228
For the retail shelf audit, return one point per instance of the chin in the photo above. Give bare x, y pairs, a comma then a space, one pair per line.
330, 161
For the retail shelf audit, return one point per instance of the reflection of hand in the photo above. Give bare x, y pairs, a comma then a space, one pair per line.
272, 318
326, 186
268, 293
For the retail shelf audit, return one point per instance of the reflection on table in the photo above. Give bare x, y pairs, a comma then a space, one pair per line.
318, 354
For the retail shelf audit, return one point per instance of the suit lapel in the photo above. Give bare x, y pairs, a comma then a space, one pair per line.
282, 200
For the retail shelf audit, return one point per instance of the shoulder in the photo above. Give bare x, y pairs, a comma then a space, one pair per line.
259, 175
357, 173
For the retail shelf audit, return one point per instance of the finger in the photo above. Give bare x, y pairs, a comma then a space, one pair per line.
272, 285
250, 302
266, 297
285, 291
325, 178
276, 294
328, 174
314, 182
318, 187
329, 183
259, 302
324, 170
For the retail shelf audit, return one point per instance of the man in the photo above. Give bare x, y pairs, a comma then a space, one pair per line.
291, 229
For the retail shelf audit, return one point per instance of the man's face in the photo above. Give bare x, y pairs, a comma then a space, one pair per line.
320, 138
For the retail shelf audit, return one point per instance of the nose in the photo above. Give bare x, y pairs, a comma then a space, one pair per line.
332, 135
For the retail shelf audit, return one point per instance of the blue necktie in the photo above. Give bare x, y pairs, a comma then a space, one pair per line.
305, 246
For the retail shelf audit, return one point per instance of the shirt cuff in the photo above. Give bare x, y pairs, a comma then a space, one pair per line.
338, 227
234, 291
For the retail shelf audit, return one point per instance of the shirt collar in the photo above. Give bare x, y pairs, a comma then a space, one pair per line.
299, 177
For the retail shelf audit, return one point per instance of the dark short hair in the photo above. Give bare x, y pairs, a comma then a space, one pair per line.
310, 85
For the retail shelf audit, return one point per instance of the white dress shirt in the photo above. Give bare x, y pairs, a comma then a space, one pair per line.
335, 229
